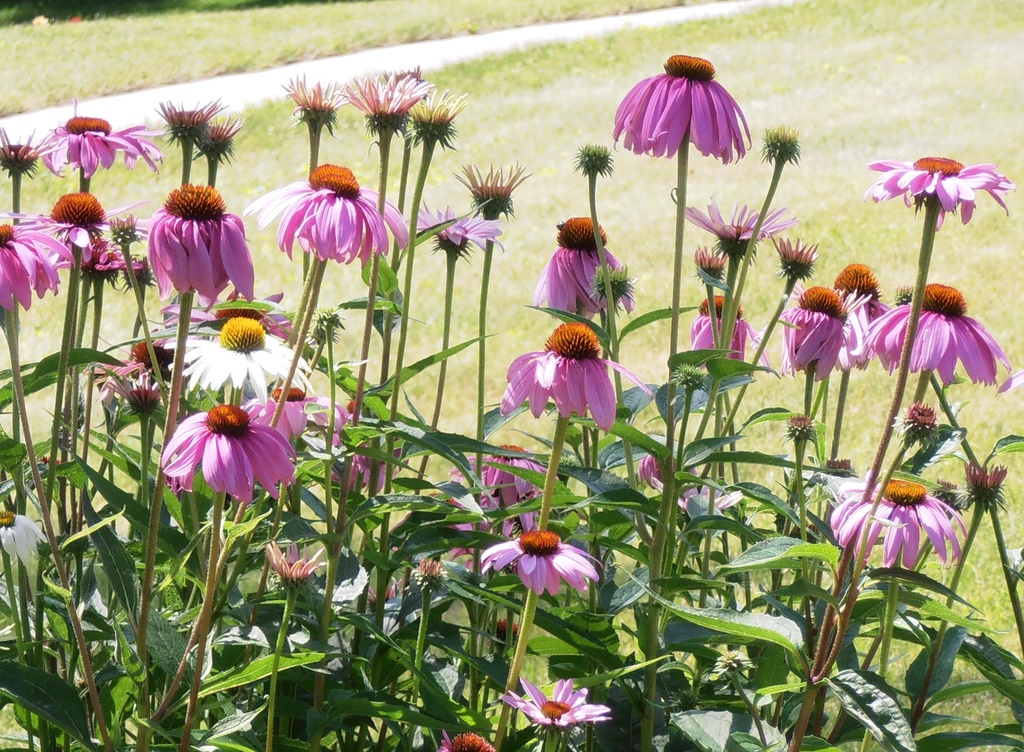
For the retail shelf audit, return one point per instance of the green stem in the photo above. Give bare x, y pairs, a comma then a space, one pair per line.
133, 282
421, 643
446, 331
316, 279
809, 388
282, 636
557, 445
1008, 573
211, 170
97, 315
186, 161
525, 627
205, 614
837, 429
891, 606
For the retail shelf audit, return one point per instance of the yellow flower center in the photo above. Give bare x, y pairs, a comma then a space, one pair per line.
688, 66
331, 177
243, 335
195, 202
945, 300
939, 165
80, 125
7, 519
904, 493
539, 542
574, 340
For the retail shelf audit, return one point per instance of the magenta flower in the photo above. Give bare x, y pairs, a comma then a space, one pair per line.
739, 227
702, 335
683, 101
503, 489
293, 417
77, 219
465, 230
542, 562
29, 260
857, 280
904, 511
233, 451
386, 101
567, 281
649, 471
819, 328
86, 143
565, 708
571, 371
945, 334
331, 216
954, 185
194, 244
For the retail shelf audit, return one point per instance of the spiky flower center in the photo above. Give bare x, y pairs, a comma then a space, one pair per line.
78, 209
822, 300
859, 279
228, 420
79, 125
239, 313
539, 542
243, 335
574, 340
577, 234
513, 447
294, 394
469, 742
719, 306
196, 202
937, 165
330, 177
140, 354
905, 493
554, 710
945, 300
7, 519
688, 66
6, 234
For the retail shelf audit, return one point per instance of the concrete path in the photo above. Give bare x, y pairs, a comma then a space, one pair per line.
242, 90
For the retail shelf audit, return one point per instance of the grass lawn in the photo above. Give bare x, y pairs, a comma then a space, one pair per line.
166, 42
881, 81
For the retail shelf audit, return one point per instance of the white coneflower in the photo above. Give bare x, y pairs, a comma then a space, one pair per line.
19, 535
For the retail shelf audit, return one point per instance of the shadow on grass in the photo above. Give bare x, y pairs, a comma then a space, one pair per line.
23, 11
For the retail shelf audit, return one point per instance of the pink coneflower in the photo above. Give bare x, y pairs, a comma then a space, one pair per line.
29, 260
904, 512
542, 562
571, 371
139, 391
194, 244
87, 143
945, 334
683, 101
21, 159
492, 193
565, 708
649, 471
467, 742
702, 336
317, 106
331, 216
321, 416
819, 328
293, 417
294, 569
386, 100
859, 281
947, 180
188, 126
566, 282
234, 453
504, 489
732, 235
457, 237
76, 218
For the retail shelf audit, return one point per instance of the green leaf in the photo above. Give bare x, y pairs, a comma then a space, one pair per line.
910, 577
45, 372
745, 627
724, 368
751, 458
767, 414
383, 708
420, 365
780, 553
953, 741
49, 697
696, 452
1007, 445
118, 565
255, 671
12, 453
695, 358
951, 643
868, 699
647, 318
710, 729
945, 441
639, 439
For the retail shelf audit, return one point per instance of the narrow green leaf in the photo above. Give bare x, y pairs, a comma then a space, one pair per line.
639, 439
953, 741
255, 671
572, 317
780, 553
118, 565
767, 414
711, 730
644, 319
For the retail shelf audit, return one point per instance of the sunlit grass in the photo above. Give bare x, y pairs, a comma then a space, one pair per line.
53, 64
859, 85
